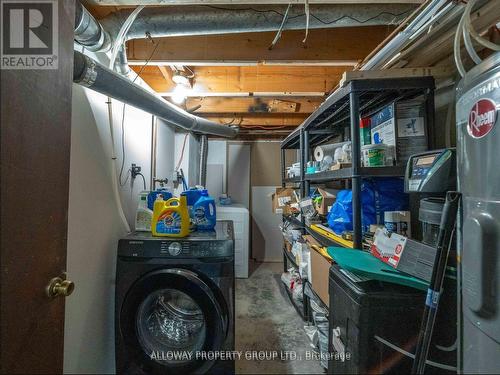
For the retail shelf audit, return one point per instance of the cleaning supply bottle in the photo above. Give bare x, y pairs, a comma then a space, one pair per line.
204, 212
164, 191
192, 195
170, 217
143, 215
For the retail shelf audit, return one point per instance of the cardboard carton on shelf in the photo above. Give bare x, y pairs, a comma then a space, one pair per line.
337, 166
284, 201
319, 270
327, 200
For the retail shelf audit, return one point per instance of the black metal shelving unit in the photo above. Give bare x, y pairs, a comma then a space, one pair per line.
340, 115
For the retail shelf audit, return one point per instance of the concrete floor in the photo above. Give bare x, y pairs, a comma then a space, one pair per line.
267, 323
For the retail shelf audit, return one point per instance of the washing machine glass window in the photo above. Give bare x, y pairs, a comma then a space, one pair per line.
169, 320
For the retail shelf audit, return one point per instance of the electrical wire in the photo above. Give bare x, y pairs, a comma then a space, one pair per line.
280, 30
122, 166
312, 14
306, 10
182, 152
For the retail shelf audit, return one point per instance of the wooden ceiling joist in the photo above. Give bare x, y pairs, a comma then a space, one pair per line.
244, 105
259, 120
327, 46
240, 2
251, 79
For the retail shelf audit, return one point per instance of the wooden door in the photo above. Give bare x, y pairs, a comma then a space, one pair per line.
35, 151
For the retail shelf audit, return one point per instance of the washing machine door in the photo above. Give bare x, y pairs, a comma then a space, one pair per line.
170, 320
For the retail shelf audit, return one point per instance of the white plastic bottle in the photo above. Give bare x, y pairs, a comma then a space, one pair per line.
144, 215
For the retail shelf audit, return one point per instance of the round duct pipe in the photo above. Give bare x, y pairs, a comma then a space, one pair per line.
89, 73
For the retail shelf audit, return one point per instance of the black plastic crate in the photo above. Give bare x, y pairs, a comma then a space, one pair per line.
377, 323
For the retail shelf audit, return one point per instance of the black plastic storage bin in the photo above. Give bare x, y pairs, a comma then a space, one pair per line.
375, 322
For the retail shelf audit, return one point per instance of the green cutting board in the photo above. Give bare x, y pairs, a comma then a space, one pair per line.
364, 263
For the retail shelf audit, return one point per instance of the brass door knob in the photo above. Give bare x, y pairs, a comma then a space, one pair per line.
59, 287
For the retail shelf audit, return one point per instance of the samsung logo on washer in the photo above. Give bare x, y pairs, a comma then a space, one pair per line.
29, 34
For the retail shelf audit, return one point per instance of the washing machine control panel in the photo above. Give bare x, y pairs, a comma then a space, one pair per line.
175, 249
210, 244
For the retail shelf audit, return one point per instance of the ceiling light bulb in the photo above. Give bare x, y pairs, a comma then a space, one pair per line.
181, 79
179, 94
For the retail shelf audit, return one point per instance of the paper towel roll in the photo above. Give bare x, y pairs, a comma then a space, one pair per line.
321, 151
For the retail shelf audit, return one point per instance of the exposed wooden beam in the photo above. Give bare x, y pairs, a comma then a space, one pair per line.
254, 94
240, 2
437, 72
262, 120
252, 79
166, 73
242, 105
248, 63
323, 45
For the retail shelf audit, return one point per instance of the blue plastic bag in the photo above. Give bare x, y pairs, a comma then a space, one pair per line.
377, 196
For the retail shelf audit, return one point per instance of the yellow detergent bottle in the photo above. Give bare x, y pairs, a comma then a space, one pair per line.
170, 218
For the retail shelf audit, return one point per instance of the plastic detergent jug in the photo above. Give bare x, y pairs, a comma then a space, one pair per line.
204, 212
143, 215
170, 217
192, 195
165, 192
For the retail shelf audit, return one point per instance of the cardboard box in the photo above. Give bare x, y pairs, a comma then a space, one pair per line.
282, 200
402, 125
320, 268
328, 199
406, 255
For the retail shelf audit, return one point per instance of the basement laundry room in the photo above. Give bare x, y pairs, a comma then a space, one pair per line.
250, 187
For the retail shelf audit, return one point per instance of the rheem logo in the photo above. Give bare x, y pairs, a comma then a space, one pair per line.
29, 34
482, 118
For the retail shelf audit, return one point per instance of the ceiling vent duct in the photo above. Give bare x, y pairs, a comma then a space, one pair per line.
168, 21
89, 73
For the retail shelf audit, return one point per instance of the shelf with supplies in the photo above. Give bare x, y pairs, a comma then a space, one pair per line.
370, 95
392, 171
293, 220
326, 237
320, 233
301, 307
288, 255
339, 119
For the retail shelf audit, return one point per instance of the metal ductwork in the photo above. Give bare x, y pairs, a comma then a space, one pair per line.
203, 160
170, 21
89, 32
89, 73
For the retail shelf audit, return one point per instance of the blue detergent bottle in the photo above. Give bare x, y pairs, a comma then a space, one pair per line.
204, 215
192, 195
165, 192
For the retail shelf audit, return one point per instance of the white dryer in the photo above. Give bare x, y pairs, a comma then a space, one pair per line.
240, 217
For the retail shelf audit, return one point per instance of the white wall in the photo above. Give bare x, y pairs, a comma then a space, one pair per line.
266, 241
216, 168
190, 163
94, 226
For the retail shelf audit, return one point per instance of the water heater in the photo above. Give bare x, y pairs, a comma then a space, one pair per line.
478, 168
